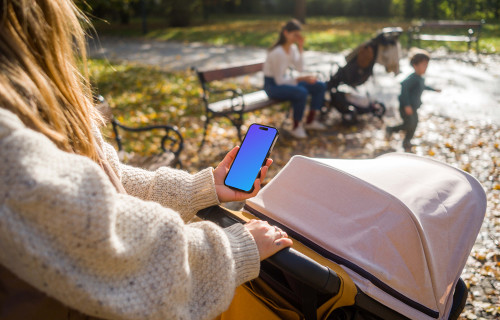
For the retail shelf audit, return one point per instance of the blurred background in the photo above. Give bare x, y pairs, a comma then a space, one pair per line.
353, 19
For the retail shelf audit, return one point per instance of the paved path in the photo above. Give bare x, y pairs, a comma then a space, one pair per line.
469, 91
182, 56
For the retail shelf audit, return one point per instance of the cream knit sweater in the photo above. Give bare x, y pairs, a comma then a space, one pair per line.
65, 230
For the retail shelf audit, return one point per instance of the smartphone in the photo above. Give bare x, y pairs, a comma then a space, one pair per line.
252, 155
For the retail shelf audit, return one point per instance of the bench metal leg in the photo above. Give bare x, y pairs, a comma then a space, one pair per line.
238, 128
237, 123
118, 138
178, 163
205, 129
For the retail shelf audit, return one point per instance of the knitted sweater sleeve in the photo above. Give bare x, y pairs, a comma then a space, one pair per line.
66, 231
172, 188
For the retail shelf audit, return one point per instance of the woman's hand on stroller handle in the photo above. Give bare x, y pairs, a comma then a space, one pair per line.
269, 239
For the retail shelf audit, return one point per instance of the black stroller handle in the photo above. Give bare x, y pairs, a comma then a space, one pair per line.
290, 261
304, 269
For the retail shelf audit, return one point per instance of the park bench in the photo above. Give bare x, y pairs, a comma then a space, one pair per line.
237, 104
171, 146
471, 32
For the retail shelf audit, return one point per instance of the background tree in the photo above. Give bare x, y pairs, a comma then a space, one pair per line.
181, 13
409, 6
300, 10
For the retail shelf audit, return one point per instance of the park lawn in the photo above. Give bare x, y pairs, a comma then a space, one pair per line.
142, 95
322, 34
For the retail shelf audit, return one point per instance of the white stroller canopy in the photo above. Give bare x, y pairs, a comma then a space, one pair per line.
401, 225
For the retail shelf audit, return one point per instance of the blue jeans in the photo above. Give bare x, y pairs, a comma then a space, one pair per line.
297, 95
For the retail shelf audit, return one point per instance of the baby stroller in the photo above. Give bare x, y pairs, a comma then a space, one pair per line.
385, 238
384, 49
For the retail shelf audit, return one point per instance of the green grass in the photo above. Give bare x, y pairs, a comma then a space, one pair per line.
322, 34
142, 95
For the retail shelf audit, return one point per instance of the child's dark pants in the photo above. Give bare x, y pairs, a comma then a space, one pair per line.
409, 126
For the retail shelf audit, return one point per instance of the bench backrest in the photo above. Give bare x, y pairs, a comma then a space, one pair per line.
220, 74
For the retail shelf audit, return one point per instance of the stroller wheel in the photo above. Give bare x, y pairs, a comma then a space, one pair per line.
378, 109
350, 116
459, 299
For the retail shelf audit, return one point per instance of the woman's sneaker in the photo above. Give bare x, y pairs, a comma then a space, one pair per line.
315, 125
299, 132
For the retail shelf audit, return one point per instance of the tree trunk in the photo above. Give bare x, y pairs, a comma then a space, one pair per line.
408, 9
144, 15
180, 13
435, 9
300, 10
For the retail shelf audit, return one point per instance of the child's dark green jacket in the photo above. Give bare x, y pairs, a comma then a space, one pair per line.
411, 91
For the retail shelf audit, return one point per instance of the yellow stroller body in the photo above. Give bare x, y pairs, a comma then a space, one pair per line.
384, 238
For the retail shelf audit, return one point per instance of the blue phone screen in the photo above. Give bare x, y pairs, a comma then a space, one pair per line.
250, 157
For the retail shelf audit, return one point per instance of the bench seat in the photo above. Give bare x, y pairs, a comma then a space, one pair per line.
439, 37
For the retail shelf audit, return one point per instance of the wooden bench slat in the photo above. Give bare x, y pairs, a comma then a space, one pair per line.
232, 72
449, 24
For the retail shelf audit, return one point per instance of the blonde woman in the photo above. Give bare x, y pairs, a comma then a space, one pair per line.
81, 231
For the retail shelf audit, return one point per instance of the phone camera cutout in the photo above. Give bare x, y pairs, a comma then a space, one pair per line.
263, 128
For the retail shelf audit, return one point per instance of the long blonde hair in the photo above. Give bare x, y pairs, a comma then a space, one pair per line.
42, 49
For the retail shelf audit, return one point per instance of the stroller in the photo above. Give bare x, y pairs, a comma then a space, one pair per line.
366, 246
385, 49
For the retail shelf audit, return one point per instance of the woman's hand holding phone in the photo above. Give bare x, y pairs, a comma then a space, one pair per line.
309, 79
299, 40
408, 110
226, 194
268, 239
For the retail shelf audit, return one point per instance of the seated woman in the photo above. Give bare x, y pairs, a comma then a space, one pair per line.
81, 233
288, 52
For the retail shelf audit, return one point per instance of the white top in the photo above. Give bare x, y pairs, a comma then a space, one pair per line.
408, 221
278, 61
